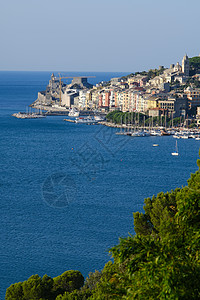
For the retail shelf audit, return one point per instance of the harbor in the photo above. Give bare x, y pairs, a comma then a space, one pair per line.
145, 131
124, 129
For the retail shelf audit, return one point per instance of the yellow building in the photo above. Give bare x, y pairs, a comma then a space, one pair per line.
193, 96
125, 106
88, 99
152, 102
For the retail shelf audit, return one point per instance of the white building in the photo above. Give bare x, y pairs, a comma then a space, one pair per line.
67, 98
82, 98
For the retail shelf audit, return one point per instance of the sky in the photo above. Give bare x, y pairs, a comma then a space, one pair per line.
93, 35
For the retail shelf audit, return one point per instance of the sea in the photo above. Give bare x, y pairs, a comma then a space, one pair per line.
68, 191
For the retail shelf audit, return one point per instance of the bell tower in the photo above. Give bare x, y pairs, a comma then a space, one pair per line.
185, 65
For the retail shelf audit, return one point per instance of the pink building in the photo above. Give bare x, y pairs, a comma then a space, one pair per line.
107, 99
100, 100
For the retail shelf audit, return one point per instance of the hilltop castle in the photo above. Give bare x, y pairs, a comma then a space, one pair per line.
174, 73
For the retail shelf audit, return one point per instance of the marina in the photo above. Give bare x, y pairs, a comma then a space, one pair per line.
178, 133
126, 130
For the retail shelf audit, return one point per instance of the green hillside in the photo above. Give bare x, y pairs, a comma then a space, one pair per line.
194, 65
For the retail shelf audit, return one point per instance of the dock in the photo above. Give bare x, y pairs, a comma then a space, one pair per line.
69, 120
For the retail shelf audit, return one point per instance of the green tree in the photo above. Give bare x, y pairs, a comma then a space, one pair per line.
194, 65
33, 288
15, 292
37, 288
67, 282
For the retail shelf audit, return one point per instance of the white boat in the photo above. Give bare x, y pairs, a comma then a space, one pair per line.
191, 136
185, 137
176, 136
120, 132
138, 134
176, 150
73, 112
197, 138
99, 118
155, 133
86, 120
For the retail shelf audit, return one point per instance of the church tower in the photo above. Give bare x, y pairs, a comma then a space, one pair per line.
185, 65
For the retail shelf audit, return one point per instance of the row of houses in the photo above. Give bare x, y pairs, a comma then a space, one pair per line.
133, 100
139, 101
132, 93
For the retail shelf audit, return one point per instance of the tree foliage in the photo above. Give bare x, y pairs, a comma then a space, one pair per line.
119, 117
194, 65
37, 288
68, 281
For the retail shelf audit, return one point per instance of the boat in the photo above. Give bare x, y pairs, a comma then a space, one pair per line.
86, 120
155, 133
155, 145
73, 112
197, 138
176, 150
129, 133
120, 132
176, 136
99, 118
184, 136
139, 134
165, 133
147, 133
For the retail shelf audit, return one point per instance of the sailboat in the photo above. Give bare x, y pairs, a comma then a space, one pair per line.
176, 151
120, 132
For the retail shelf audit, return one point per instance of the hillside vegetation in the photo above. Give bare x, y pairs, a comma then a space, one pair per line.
194, 65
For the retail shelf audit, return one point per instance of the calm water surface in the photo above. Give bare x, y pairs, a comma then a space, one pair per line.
68, 191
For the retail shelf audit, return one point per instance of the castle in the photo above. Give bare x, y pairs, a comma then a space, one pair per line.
174, 73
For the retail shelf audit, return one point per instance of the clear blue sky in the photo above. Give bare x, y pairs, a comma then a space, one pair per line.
93, 35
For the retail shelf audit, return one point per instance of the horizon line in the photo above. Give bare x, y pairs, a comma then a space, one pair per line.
68, 71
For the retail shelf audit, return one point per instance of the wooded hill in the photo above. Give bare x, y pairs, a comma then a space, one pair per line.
194, 65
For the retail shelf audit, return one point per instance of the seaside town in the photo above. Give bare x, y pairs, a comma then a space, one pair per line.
172, 92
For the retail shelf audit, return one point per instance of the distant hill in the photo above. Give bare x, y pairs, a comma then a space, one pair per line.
194, 65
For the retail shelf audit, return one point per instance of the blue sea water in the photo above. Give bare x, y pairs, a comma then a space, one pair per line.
68, 190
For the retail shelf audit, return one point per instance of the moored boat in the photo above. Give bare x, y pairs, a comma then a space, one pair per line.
176, 151
86, 120
73, 112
